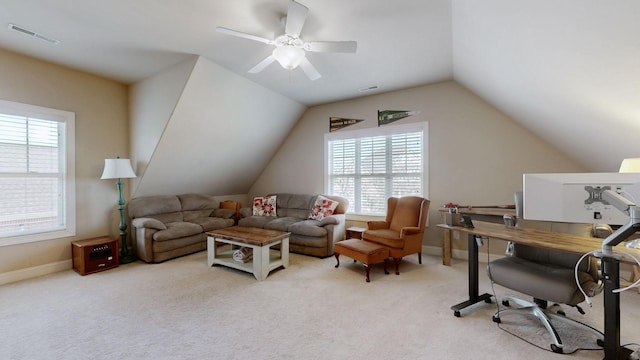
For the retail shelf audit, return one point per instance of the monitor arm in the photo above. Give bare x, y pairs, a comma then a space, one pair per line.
624, 205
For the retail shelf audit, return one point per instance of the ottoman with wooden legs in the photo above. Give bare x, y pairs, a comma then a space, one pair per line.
359, 250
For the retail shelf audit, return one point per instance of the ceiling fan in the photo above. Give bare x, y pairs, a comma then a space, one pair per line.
290, 49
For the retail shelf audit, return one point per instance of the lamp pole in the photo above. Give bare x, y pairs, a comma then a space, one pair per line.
125, 256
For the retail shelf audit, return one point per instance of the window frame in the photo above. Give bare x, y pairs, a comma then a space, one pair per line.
381, 131
68, 175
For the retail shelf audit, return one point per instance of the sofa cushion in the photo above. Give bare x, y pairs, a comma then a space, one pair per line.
255, 221
197, 205
281, 223
322, 208
166, 208
264, 205
177, 230
294, 205
308, 228
213, 223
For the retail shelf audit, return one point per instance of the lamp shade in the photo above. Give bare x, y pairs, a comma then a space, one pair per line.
631, 165
288, 56
117, 169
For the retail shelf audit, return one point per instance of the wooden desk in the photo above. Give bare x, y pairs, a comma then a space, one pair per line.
557, 241
482, 214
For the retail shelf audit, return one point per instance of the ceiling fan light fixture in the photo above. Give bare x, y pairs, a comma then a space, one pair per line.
288, 56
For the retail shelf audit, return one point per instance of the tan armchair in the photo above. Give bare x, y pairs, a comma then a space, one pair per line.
403, 229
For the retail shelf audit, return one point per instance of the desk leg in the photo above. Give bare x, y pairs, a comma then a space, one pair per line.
446, 247
473, 280
612, 348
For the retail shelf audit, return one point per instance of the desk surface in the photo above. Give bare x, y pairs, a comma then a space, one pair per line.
539, 238
490, 211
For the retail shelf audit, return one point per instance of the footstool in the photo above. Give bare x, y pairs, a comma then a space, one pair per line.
366, 252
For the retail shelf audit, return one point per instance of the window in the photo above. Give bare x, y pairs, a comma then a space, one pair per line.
368, 166
37, 191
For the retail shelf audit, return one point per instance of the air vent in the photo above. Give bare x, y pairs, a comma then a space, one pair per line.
33, 33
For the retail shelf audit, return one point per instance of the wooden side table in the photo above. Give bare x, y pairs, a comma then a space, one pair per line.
93, 255
355, 232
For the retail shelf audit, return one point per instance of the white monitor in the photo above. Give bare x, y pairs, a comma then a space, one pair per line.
577, 197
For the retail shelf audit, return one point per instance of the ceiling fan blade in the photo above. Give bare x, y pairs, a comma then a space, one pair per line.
309, 69
332, 46
243, 35
296, 15
262, 64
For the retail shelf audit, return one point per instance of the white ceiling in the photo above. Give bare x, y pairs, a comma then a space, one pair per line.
568, 70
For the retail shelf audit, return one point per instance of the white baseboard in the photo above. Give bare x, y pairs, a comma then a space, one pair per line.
35, 271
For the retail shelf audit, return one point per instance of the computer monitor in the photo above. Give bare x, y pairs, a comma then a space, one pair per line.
578, 197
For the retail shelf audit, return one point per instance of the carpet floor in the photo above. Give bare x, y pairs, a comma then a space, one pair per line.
182, 309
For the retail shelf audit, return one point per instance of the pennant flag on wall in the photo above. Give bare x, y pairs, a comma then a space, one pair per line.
337, 123
388, 116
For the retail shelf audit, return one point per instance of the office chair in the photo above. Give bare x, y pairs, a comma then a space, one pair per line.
547, 276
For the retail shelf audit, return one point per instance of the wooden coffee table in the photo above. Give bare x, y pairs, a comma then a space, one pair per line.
259, 240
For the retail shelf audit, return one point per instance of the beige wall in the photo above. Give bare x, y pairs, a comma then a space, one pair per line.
101, 122
476, 154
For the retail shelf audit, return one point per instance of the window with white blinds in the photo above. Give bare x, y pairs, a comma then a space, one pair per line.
36, 173
369, 166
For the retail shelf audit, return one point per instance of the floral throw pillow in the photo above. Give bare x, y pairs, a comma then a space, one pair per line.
322, 208
264, 206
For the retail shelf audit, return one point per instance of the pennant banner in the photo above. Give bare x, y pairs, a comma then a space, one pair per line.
337, 123
388, 116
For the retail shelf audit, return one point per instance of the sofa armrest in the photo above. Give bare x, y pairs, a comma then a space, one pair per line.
149, 223
331, 220
335, 232
223, 213
377, 224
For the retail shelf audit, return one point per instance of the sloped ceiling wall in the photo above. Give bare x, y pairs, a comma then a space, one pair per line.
568, 71
218, 119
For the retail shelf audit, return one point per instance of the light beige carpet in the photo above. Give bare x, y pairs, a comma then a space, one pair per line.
182, 309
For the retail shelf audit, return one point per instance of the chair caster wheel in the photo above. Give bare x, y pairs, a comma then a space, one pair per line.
556, 349
600, 342
561, 312
456, 313
487, 300
496, 319
505, 302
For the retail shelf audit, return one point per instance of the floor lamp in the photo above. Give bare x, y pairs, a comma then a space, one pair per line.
120, 169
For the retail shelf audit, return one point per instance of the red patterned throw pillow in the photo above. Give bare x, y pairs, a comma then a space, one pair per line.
264, 206
322, 208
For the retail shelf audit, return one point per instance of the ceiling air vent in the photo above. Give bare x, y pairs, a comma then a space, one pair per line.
33, 33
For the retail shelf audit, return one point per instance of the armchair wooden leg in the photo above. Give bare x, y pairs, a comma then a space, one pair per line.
385, 266
337, 259
397, 261
420, 258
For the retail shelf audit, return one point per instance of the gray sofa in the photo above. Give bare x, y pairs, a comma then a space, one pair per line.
308, 237
168, 226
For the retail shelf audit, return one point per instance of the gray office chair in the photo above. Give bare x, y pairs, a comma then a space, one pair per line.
547, 276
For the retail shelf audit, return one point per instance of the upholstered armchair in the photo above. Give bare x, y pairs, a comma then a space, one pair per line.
403, 228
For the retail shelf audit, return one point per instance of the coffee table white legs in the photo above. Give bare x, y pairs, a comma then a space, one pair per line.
261, 264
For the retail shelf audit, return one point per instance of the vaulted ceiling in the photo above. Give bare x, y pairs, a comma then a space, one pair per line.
567, 70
